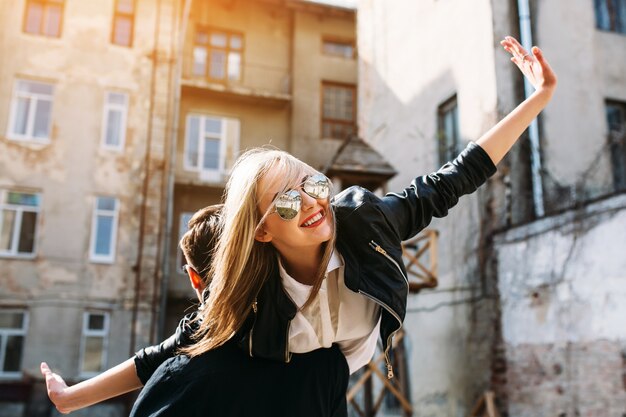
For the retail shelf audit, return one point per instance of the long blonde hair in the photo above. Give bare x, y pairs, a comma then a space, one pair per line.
241, 264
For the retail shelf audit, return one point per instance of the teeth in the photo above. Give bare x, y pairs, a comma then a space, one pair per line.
313, 220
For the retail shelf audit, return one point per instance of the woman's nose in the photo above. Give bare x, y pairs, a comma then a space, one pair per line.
307, 201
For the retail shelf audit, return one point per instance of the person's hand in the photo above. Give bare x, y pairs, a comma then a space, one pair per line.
534, 66
56, 388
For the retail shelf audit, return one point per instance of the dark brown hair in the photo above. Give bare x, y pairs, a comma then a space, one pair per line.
198, 243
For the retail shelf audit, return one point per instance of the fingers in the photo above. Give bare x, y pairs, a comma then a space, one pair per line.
45, 369
512, 46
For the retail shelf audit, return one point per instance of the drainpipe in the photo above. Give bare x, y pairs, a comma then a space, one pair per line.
526, 39
144, 189
169, 196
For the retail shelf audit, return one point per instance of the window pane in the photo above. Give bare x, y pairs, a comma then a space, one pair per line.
114, 128
116, 98
345, 50
125, 6
338, 103
199, 60
96, 322
11, 320
104, 235
34, 15
212, 125
211, 154
122, 30
26, 243
22, 199
53, 21
34, 87
13, 354
192, 143
6, 230
92, 357
620, 16
218, 39
42, 118
218, 65
106, 203
234, 65
236, 42
202, 37
21, 116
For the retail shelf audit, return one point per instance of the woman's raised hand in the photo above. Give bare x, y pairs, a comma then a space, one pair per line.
534, 66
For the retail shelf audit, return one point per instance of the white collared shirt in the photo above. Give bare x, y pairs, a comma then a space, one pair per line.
337, 315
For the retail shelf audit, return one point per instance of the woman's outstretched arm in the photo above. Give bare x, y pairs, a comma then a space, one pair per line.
500, 138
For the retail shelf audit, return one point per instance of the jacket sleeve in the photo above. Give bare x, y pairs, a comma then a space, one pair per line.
148, 359
434, 194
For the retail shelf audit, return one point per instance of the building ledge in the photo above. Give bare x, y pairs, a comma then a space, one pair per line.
236, 91
606, 205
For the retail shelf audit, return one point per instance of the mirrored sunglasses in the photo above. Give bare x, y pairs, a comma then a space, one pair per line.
288, 204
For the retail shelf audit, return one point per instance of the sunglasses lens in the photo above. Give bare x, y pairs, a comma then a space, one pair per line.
317, 186
288, 204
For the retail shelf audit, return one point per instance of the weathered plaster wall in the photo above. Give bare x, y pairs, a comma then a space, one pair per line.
413, 56
310, 68
60, 283
591, 65
562, 282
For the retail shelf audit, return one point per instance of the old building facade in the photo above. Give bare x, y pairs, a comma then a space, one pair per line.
119, 119
532, 283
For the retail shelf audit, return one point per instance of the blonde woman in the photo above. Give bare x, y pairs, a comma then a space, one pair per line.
296, 270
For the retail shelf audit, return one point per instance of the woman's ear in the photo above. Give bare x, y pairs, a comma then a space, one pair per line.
261, 235
195, 279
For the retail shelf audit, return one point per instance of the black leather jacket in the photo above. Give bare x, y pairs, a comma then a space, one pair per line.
370, 231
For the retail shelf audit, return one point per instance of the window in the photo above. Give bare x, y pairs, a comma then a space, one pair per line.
13, 325
616, 120
333, 47
123, 22
182, 229
611, 15
217, 54
338, 110
94, 343
18, 223
211, 144
43, 17
30, 111
448, 130
114, 126
104, 230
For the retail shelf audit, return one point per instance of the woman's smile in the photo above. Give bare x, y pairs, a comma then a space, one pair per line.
314, 220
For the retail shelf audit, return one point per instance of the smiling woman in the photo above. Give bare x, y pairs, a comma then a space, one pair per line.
297, 270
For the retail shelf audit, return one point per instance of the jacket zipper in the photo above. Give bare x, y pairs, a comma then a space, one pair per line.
383, 252
287, 353
254, 309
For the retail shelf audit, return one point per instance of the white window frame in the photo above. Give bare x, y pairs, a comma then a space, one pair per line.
19, 210
12, 332
86, 332
206, 174
30, 124
93, 256
184, 218
108, 107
